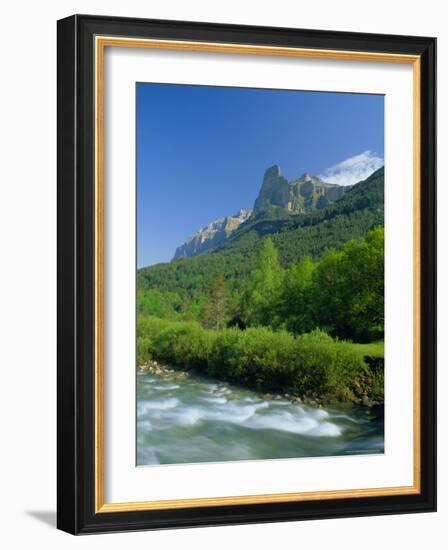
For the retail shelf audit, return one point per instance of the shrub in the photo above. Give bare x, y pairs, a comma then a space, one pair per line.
184, 343
224, 357
312, 364
143, 350
326, 367
265, 357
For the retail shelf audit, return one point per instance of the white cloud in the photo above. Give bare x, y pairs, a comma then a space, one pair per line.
353, 169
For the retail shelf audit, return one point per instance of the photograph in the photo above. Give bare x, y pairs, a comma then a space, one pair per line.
246, 273
260, 274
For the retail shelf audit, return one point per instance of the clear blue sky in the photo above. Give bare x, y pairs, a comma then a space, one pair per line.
202, 151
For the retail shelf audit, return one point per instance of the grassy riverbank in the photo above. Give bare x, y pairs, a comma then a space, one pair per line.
312, 365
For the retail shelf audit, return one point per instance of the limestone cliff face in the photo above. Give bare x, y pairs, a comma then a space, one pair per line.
275, 190
298, 196
277, 195
214, 234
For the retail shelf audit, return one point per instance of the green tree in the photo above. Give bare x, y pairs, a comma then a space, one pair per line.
296, 296
348, 289
165, 305
214, 311
262, 298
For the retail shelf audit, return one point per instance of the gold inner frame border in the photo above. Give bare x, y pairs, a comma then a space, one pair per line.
100, 44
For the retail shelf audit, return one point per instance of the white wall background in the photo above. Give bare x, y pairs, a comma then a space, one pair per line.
28, 273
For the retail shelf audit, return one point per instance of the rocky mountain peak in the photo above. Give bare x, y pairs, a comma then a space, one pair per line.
212, 235
276, 194
243, 213
297, 196
273, 171
274, 190
309, 177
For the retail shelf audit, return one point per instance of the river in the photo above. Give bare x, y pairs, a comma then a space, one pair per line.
201, 420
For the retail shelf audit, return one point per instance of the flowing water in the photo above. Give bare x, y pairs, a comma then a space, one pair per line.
201, 420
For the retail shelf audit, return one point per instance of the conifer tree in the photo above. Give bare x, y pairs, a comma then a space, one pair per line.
214, 311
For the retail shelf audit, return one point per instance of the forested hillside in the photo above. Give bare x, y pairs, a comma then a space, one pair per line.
358, 211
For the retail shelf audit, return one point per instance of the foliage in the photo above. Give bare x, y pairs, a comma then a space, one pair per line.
348, 289
159, 304
296, 298
214, 312
182, 343
312, 364
342, 293
262, 297
268, 309
372, 349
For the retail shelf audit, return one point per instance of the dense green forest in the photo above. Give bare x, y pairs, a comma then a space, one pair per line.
289, 303
342, 293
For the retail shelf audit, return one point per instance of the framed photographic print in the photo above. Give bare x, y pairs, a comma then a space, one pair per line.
246, 274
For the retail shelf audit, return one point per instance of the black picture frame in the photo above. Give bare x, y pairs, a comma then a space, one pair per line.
76, 255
